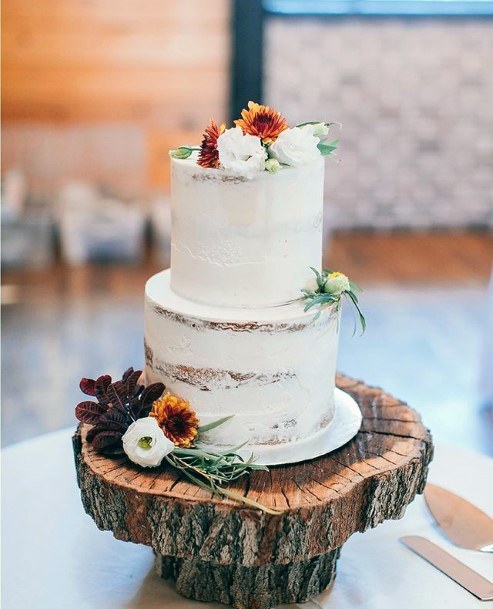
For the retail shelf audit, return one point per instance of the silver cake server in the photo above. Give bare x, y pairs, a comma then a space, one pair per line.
463, 523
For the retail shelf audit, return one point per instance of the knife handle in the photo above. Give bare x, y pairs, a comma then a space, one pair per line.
473, 582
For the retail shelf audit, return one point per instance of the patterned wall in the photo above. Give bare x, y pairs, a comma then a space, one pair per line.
415, 98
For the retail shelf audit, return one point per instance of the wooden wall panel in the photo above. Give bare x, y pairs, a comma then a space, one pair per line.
71, 60
104, 94
158, 66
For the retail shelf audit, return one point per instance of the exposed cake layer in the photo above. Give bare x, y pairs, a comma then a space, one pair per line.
245, 242
273, 368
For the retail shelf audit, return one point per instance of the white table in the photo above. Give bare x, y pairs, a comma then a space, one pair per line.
55, 558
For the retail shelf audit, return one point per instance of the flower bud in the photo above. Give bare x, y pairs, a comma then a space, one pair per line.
336, 284
272, 165
320, 129
183, 152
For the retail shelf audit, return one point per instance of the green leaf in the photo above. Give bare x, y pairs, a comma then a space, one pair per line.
320, 299
362, 319
327, 148
320, 278
352, 296
355, 287
317, 274
214, 424
308, 293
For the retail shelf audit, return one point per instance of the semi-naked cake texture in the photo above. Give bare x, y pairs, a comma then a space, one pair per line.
225, 327
272, 368
244, 242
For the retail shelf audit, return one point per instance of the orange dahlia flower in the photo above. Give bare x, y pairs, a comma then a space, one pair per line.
208, 155
262, 121
177, 420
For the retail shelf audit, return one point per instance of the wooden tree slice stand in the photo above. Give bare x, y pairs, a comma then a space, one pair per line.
217, 550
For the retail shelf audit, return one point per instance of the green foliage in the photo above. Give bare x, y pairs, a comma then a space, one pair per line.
183, 152
319, 298
327, 148
210, 470
214, 424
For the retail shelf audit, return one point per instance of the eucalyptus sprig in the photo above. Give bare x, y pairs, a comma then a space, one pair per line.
327, 148
211, 469
331, 287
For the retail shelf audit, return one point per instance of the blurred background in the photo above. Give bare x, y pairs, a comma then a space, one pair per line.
95, 93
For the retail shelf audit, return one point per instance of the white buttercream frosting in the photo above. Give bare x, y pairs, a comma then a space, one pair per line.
245, 241
273, 368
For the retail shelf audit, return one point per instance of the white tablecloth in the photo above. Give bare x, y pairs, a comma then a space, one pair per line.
54, 557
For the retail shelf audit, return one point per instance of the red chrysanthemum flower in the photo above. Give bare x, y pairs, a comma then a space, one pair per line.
262, 121
208, 155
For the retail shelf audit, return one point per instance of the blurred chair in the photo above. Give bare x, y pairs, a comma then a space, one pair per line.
97, 228
14, 193
27, 227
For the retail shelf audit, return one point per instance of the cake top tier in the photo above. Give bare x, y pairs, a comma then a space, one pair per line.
247, 208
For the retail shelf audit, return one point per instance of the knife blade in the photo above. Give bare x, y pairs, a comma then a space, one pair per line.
463, 523
471, 581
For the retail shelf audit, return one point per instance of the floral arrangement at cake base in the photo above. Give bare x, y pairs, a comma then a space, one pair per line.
154, 428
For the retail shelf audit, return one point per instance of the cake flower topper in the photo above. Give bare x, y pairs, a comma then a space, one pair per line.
261, 140
153, 428
331, 287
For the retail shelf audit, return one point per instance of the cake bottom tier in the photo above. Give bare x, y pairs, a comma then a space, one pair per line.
273, 368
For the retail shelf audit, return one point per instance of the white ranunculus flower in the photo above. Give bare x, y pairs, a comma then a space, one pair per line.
241, 153
297, 146
336, 284
145, 443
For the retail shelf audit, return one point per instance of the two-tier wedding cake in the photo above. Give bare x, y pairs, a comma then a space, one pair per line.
226, 327
241, 332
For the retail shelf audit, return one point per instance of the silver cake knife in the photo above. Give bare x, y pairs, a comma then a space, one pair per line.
473, 582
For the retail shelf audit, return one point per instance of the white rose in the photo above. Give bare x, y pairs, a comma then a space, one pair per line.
241, 153
145, 443
297, 146
336, 284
